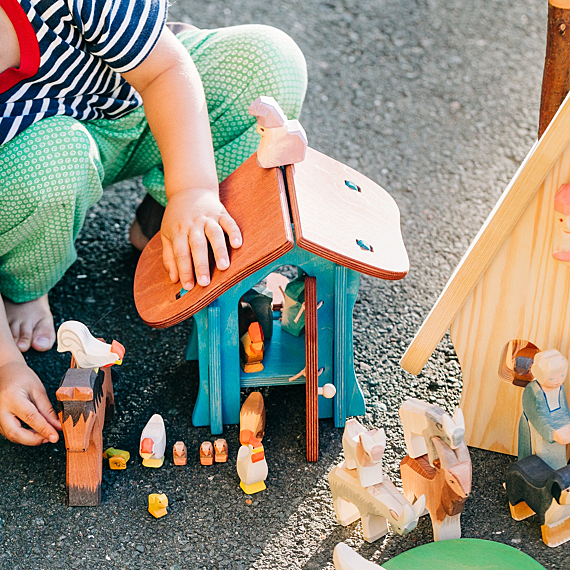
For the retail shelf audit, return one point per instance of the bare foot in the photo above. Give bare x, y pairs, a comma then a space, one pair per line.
136, 236
31, 324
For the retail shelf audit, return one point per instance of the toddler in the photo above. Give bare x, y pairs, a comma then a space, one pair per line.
74, 77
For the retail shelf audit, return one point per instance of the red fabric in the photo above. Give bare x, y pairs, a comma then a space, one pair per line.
29, 47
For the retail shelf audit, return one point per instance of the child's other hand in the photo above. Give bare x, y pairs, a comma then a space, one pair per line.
192, 218
23, 399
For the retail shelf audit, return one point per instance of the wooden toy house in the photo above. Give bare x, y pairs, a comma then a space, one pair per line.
509, 297
342, 225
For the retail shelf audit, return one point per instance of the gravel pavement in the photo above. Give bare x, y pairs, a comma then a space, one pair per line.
437, 102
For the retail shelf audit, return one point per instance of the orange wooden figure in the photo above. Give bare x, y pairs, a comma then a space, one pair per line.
85, 401
179, 453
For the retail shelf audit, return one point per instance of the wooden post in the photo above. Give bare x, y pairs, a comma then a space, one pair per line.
312, 369
556, 78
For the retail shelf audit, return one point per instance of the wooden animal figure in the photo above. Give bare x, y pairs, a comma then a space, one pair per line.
252, 418
252, 467
376, 505
344, 558
157, 504
363, 451
283, 141
252, 348
85, 401
446, 486
534, 487
220, 450
87, 351
118, 458
206, 453
153, 442
179, 453
544, 427
423, 421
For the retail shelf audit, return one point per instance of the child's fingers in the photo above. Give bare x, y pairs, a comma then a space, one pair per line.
168, 259
27, 412
217, 239
46, 410
231, 228
183, 259
12, 429
199, 247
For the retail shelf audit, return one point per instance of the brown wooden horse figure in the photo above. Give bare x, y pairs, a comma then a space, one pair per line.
85, 402
446, 486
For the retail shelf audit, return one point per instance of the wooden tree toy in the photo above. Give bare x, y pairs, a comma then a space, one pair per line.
85, 402
260, 200
544, 428
535, 487
376, 505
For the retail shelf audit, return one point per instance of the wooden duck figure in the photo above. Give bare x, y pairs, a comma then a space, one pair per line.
157, 505
153, 442
179, 453
252, 467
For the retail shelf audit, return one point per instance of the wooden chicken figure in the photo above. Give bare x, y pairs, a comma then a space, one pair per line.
179, 453
283, 141
252, 467
157, 504
252, 348
153, 442
85, 402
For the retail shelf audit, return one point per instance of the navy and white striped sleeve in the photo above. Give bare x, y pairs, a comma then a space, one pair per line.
120, 32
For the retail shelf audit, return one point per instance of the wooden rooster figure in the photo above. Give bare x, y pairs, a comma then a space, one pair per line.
85, 402
283, 141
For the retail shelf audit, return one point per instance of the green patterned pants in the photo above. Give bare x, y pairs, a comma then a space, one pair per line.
51, 173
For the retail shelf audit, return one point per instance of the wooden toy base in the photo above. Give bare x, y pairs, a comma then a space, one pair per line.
153, 462
253, 488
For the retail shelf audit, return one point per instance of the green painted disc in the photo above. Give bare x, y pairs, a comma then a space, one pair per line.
463, 554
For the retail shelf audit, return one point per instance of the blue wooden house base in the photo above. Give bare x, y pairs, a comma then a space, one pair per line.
214, 342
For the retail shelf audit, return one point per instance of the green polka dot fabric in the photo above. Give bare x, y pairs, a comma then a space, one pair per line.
57, 168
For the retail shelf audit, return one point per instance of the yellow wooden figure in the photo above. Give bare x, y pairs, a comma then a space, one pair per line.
157, 504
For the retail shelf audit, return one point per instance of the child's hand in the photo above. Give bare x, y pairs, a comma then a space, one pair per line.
23, 399
192, 218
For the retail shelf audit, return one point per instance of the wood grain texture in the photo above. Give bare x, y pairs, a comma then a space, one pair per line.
256, 199
541, 167
556, 76
523, 295
312, 368
330, 217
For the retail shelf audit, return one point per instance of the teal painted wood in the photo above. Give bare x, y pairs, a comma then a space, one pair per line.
283, 358
215, 368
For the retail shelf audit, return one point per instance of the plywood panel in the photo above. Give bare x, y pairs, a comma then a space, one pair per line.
331, 217
257, 200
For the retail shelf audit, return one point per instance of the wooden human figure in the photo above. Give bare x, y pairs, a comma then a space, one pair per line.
544, 427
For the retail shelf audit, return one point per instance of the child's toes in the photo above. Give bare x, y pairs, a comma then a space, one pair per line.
43, 336
23, 338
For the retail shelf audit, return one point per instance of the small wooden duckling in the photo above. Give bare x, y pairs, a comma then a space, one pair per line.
153, 442
220, 450
179, 453
206, 453
157, 504
252, 467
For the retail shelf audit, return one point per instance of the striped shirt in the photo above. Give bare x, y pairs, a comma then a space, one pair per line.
71, 55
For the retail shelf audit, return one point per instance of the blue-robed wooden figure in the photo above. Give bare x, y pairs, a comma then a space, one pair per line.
544, 427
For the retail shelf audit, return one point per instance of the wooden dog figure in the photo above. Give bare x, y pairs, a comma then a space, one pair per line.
423, 421
376, 505
363, 451
534, 487
446, 486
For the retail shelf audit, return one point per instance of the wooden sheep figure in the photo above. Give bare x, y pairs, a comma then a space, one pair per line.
535, 487
376, 505
363, 451
85, 402
544, 427
423, 421
446, 486
283, 141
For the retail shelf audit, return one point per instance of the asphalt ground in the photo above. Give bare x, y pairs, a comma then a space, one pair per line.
436, 101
